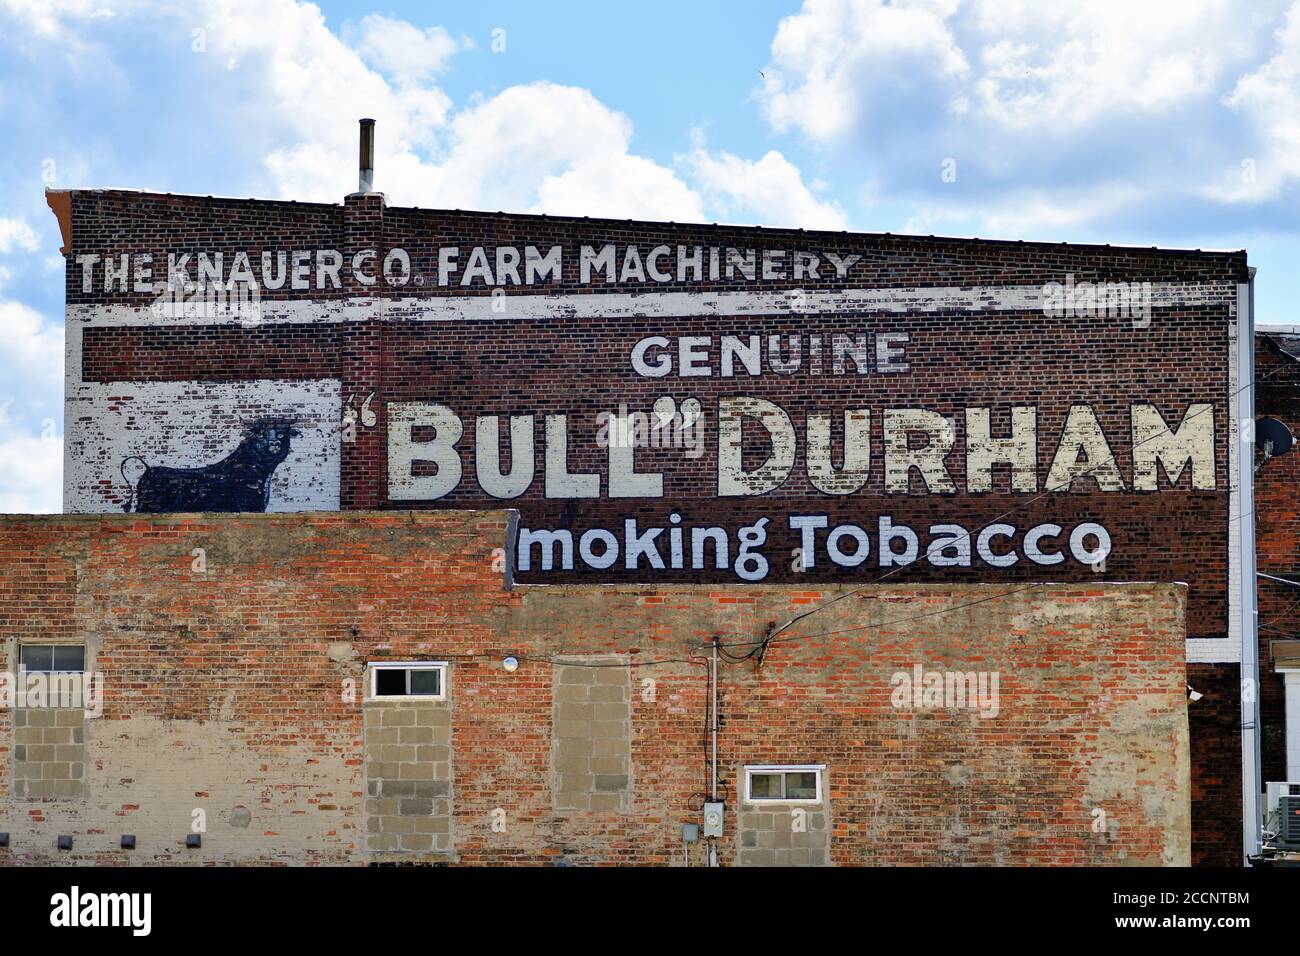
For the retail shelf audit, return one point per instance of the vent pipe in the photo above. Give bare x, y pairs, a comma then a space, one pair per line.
366, 178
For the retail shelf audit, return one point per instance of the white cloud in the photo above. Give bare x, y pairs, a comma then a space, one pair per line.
838, 63
509, 153
404, 51
31, 359
31, 473
17, 235
771, 189
1027, 212
503, 152
313, 89
620, 186
1074, 114
31, 367
1270, 97
1065, 64
47, 18
535, 147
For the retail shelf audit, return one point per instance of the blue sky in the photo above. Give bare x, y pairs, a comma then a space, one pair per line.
1164, 122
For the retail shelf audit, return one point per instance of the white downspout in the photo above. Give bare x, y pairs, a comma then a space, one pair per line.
1250, 782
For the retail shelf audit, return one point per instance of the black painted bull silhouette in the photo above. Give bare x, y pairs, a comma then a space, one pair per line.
239, 482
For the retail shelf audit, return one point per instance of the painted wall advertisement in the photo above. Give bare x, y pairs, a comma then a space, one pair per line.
668, 412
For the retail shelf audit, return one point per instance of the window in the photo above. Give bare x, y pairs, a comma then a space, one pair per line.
52, 658
786, 784
421, 679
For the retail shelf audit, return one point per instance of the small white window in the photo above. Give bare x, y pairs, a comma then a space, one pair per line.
423, 680
800, 783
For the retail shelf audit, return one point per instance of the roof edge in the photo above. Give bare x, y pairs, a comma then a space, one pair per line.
60, 203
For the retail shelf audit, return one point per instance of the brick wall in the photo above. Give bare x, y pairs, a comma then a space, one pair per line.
179, 392
1277, 544
234, 695
146, 386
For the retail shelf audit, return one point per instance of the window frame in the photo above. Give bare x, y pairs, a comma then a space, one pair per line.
817, 769
85, 655
374, 667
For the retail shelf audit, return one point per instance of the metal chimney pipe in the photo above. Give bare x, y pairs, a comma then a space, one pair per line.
366, 179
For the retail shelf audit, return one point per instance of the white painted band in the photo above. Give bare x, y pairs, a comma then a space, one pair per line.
649, 304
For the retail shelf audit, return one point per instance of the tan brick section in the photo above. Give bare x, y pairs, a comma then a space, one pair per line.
408, 776
592, 733
233, 697
49, 753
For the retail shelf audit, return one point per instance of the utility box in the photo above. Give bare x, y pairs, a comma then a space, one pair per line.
713, 819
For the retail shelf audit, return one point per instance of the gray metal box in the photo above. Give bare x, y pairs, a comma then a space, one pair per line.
713, 819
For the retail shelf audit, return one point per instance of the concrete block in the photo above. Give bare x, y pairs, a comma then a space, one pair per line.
607, 802
574, 746
610, 711
416, 735
577, 782
609, 764
611, 728
417, 842
572, 728
416, 771
568, 765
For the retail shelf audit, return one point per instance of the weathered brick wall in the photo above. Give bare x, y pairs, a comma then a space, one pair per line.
178, 392
522, 353
226, 690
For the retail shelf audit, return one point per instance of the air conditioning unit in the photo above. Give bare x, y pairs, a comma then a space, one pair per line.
1288, 824
1273, 792
1281, 812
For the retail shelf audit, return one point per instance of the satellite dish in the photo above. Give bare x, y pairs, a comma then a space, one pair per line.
1272, 437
